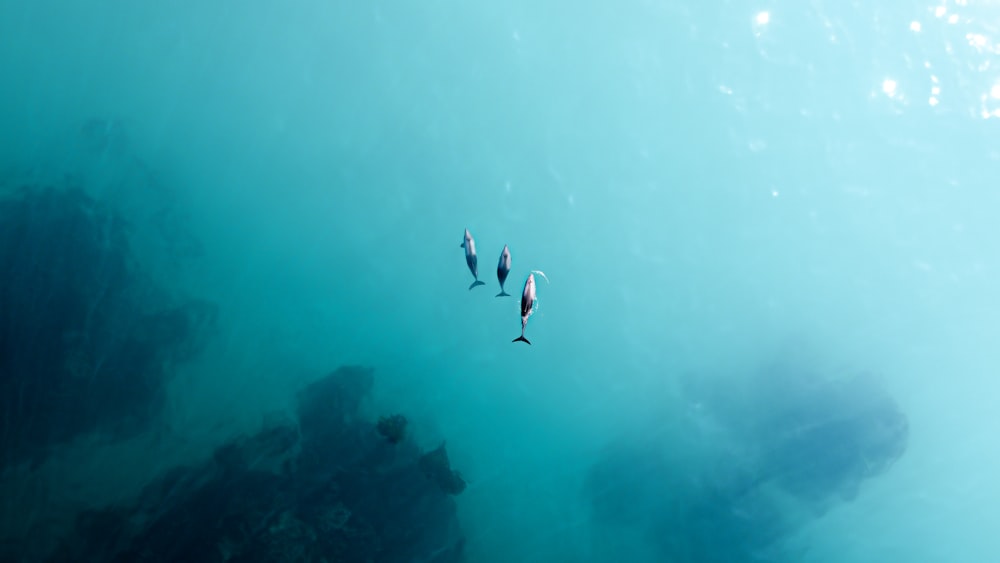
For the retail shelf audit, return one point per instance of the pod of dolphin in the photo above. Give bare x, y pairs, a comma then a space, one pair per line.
528, 298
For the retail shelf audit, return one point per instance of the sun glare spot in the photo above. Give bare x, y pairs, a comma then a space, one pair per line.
889, 87
915, 26
762, 18
995, 92
977, 40
932, 101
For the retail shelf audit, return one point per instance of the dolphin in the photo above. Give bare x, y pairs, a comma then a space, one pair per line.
470, 258
527, 306
503, 268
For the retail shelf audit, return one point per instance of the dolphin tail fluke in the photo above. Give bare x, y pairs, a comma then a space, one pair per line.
503, 293
475, 283
522, 339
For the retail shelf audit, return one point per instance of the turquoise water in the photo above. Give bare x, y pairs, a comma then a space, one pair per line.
711, 190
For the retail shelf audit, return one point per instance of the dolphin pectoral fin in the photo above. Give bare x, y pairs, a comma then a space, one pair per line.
475, 283
522, 339
503, 294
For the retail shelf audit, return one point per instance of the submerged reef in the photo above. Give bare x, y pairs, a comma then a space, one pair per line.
87, 339
325, 488
747, 463
392, 428
435, 466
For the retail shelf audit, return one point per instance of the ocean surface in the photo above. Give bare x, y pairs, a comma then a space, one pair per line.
236, 321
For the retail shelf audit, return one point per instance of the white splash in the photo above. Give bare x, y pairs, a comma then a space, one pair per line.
541, 273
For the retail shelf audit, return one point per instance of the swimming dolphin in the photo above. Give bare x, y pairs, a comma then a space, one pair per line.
527, 306
470, 258
503, 268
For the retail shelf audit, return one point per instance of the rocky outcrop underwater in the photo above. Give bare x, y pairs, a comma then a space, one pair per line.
88, 341
329, 486
748, 463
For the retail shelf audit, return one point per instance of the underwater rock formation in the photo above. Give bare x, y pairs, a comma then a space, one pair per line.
392, 428
749, 464
435, 465
328, 488
826, 437
109, 162
87, 341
